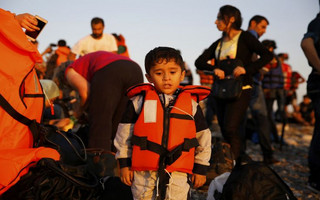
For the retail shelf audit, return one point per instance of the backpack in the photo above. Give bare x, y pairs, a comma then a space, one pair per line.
255, 181
50, 179
221, 165
222, 158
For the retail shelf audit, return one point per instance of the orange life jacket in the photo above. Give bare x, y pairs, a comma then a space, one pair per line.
62, 53
20, 87
121, 43
205, 78
165, 134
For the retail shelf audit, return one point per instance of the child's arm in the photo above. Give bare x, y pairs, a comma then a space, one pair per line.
122, 141
126, 175
203, 151
198, 180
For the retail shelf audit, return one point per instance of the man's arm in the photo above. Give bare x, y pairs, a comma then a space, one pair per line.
307, 45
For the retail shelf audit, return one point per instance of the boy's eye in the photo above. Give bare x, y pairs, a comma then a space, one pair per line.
173, 72
158, 73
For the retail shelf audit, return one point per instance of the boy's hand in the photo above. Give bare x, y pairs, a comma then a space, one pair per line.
126, 176
198, 180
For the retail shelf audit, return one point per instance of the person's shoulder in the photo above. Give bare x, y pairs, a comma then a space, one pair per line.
83, 40
246, 34
108, 36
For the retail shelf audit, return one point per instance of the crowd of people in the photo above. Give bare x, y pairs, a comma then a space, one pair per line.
95, 84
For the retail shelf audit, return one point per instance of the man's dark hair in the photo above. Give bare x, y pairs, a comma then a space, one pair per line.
97, 20
257, 19
163, 54
229, 11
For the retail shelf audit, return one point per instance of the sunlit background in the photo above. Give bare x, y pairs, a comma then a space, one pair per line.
187, 25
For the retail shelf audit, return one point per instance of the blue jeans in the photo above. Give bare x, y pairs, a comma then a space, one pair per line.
314, 150
278, 95
259, 113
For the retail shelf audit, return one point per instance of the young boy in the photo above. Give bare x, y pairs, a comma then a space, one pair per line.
163, 137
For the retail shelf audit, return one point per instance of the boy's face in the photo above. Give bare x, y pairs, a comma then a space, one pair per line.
166, 76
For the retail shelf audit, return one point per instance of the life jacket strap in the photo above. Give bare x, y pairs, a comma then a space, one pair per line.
169, 156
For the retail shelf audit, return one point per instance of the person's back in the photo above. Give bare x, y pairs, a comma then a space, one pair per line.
100, 80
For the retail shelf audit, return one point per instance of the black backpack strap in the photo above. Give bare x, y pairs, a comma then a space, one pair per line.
32, 124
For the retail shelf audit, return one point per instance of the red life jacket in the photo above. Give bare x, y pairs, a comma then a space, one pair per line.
165, 134
20, 87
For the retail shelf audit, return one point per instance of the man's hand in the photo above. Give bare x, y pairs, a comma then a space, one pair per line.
27, 21
126, 175
198, 180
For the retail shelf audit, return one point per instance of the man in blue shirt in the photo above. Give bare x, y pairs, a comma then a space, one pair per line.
258, 26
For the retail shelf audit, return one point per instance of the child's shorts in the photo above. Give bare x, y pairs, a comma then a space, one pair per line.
144, 186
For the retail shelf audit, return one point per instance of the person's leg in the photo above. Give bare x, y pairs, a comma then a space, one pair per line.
244, 123
314, 150
231, 119
259, 112
104, 95
281, 104
272, 124
178, 187
144, 185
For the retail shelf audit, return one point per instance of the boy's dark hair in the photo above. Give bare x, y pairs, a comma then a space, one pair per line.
229, 11
97, 20
163, 54
257, 19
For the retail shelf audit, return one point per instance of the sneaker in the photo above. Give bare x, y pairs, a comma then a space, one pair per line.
314, 187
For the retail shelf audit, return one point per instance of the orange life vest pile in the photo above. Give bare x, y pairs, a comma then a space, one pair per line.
20, 87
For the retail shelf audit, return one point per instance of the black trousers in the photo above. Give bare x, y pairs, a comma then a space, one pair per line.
230, 116
107, 101
314, 149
